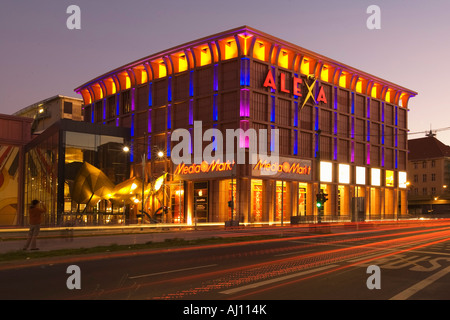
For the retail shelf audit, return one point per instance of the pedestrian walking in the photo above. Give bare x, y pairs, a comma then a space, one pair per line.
36, 214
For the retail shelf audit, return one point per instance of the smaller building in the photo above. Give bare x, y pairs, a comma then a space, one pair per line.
429, 176
48, 111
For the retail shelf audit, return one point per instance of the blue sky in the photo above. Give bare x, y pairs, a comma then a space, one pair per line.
40, 57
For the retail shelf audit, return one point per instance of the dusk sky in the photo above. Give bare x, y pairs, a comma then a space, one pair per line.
41, 57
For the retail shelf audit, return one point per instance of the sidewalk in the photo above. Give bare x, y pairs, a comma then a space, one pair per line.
57, 239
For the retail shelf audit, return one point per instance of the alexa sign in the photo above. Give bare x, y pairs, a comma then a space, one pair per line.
296, 89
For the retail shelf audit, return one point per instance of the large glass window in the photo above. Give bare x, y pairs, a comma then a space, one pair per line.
41, 181
77, 180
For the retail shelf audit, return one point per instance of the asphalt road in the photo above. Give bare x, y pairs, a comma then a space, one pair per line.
406, 262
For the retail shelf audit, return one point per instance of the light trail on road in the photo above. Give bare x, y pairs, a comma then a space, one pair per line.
282, 267
225, 278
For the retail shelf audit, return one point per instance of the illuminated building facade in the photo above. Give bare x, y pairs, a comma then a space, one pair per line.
339, 128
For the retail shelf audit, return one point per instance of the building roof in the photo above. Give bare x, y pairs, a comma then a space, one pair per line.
42, 102
427, 148
245, 40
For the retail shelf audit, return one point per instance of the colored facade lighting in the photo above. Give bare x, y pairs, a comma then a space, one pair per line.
150, 95
216, 109
169, 89
191, 112
272, 112
191, 83
245, 72
216, 79
133, 104
244, 103
295, 151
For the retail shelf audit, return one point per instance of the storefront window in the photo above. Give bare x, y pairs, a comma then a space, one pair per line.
301, 199
281, 201
232, 199
257, 200
177, 203
201, 201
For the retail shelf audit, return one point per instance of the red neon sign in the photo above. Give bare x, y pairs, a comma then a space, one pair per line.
204, 167
270, 82
284, 167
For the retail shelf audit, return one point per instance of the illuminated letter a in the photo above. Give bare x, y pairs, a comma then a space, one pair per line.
321, 96
270, 82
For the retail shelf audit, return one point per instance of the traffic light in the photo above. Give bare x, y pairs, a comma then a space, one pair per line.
319, 200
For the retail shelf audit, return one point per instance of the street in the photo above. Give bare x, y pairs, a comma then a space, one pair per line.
400, 262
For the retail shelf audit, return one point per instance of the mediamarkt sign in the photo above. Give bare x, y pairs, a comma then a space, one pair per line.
296, 89
288, 168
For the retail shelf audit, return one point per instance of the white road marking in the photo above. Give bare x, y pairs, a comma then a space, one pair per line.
171, 271
405, 294
263, 283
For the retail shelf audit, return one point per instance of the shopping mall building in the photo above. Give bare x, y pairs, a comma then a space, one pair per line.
337, 128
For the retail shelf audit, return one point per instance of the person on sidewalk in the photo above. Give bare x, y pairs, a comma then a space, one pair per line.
36, 213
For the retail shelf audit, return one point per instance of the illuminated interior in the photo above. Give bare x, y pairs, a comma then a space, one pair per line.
180, 62
360, 175
344, 173
203, 55
110, 86
325, 74
389, 178
98, 92
344, 80
124, 79
229, 49
285, 58
141, 75
260, 50
307, 66
326, 171
376, 91
375, 176
402, 181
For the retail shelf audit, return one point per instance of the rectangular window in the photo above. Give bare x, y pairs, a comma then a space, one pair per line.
67, 107
126, 102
